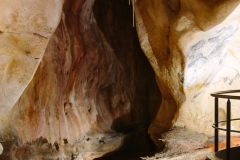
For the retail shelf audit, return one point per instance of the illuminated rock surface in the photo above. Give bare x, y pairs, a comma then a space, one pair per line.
25, 29
89, 91
75, 81
193, 48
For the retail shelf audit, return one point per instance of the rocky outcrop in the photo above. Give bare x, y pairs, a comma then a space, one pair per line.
89, 91
25, 29
193, 47
76, 82
181, 143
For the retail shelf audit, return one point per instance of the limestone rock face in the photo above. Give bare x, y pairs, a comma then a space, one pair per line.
75, 81
179, 140
193, 47
88, 92
1, 148
25, 29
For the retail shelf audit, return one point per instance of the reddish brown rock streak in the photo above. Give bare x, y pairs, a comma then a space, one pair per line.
93, 81
72, 92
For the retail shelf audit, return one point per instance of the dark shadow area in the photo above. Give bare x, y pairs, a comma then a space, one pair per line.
7, 150
115, 20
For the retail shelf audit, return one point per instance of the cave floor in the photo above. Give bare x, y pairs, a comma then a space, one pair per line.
145, 153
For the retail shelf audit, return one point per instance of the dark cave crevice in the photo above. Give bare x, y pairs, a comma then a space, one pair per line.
115, 20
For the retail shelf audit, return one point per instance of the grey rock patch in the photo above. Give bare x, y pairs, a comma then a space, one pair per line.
1, 148
199, 154
181, 143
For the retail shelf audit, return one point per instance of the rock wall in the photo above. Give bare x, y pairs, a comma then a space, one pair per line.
92, 88
25, 29
193, 48
73, 73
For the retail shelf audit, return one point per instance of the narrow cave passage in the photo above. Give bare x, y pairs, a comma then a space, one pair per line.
108, 75
76, 84
115, 20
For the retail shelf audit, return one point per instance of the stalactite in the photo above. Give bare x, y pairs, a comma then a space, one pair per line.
133, 3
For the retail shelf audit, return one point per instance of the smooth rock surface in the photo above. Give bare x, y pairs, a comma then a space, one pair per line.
25, 29
1, 148
193, 47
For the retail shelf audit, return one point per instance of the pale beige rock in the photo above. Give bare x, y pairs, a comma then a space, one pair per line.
39, 18
25, 29
194, 52
210, 66
77, 93
1, 148
191, 45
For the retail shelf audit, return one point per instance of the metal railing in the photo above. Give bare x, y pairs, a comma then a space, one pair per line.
223, 94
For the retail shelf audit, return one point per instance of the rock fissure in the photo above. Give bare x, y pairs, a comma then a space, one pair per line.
80, 79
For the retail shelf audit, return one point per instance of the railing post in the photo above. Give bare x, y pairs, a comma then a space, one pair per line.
216, 125
228, 144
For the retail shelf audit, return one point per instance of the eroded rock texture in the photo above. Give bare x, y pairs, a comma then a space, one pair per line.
89, 90
193, 47
75, 82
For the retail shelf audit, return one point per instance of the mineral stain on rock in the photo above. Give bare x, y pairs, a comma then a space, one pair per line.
79, 81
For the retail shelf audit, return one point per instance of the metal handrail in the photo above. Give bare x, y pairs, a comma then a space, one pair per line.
222, 94
236, 131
